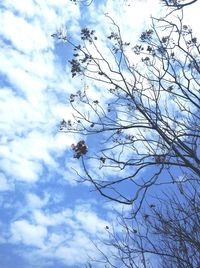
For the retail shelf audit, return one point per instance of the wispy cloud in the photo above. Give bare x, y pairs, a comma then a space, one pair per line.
30, 105
64, 235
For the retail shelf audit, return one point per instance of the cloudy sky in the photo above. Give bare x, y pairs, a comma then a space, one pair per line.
47, 219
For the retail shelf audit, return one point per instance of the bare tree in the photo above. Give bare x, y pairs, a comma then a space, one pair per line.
178, 3
164, 235
169, 3
148, 123
151, 120
146, 131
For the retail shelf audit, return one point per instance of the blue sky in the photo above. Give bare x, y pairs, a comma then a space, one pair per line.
47, 219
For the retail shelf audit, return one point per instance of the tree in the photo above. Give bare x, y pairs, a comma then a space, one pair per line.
149, 122
169, 3
165, 235
178, 3
150, 119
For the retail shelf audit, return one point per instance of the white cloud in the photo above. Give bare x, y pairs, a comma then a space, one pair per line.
78, 244
22, 169
47, 14
34, 201
23, 35
64, 235
24, 232
192, 19
26, 8
30, 107
4, 186
25, 156
52, 219
89, 220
